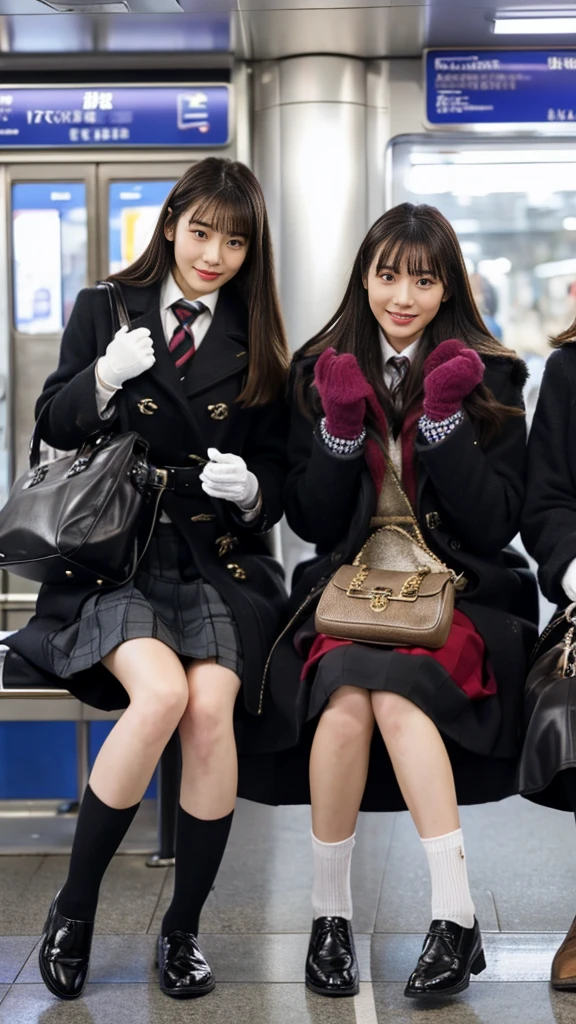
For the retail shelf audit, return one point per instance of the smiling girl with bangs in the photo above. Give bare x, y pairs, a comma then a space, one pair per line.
405, 376
200, 375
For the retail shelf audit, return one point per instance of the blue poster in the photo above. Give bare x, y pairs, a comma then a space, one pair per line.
133, 210
501, 87
116, 117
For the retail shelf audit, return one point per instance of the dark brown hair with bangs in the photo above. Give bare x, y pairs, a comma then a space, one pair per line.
226, 193
418, 239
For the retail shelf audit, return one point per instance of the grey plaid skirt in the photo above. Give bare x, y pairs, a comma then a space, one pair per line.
166, 600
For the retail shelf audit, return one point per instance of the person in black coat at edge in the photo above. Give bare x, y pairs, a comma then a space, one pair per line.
201, 376
548, 764
405, 363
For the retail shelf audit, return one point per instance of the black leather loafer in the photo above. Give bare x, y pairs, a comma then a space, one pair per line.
449, 956
64, 956
331, 964
184, 972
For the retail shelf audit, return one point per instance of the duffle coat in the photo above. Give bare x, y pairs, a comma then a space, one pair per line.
549, 533
469, 500
180, 420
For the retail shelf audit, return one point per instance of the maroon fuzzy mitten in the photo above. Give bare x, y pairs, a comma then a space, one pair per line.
442, 353
447, 385
343, 391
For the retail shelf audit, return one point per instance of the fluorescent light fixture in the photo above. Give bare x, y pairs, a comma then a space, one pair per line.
559, 268
535, 26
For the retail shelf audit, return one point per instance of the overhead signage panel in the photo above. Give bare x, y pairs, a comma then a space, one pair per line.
115, 116
466, 87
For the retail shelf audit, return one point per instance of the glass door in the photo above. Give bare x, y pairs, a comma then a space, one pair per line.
68, 226
132, 196
513, 205
52, 255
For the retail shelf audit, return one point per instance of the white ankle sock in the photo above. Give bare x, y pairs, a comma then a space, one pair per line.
451, 899
331, 894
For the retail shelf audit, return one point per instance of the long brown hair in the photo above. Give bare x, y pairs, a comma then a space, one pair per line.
230, 195
565, 337
419, 238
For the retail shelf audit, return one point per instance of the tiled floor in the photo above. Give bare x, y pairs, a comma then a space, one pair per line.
522, 862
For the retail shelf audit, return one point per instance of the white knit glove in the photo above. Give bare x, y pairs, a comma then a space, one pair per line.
128, 355
228, 477
569, 581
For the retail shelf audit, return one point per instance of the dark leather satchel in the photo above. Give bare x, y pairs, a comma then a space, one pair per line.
85, 516
553, 658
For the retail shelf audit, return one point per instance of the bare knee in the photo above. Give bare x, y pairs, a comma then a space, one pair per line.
205, 724
349, 715
160, 704
207, 721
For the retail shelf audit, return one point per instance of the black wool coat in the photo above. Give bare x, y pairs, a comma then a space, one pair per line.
549, 516
468, 505
180, 421
549, 533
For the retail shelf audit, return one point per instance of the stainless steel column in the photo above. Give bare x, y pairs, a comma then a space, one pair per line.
310, 156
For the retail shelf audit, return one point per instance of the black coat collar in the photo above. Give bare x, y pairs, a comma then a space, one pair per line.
224, 349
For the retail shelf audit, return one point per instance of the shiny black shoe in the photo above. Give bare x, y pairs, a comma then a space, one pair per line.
64, 956
184, 973
449, 956
331, 964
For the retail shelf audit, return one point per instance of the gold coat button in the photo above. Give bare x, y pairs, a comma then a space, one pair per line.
433, 520
147, 406
218, 411
237, 571
226, 544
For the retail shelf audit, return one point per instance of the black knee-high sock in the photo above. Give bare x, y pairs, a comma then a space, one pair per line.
200, 847
99, 831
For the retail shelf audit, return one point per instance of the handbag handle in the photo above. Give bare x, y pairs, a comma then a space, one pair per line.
119, 316
118, 310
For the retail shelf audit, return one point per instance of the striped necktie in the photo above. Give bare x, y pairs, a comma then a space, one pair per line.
399, 366
181, 345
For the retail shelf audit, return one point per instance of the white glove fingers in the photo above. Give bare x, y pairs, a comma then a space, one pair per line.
224, 457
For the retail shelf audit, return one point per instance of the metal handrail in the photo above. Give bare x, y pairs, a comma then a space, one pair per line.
35, 694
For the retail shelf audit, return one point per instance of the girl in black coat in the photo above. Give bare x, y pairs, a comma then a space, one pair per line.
201, 376
548, 765
387, 372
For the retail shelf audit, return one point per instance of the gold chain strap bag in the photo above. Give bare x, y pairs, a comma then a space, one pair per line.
397, 592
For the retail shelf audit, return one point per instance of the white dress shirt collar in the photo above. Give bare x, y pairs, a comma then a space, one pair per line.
171, 293
390, 353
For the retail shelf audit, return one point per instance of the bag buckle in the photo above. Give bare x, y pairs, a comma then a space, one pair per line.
158, 478
380, 598
36, 477
79, 465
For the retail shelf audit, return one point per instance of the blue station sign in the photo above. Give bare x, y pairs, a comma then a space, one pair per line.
465, 87
115, 116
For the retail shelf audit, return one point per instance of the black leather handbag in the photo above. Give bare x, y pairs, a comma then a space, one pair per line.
87, 516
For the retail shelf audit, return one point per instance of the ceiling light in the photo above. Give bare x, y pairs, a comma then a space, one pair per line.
535, 26
569, 223
88, 6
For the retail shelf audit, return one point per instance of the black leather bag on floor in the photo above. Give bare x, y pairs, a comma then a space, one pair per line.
87, 516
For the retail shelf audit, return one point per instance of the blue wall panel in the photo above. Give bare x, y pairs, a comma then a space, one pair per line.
38, 759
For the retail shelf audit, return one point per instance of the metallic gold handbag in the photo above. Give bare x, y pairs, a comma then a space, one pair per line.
397, 592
